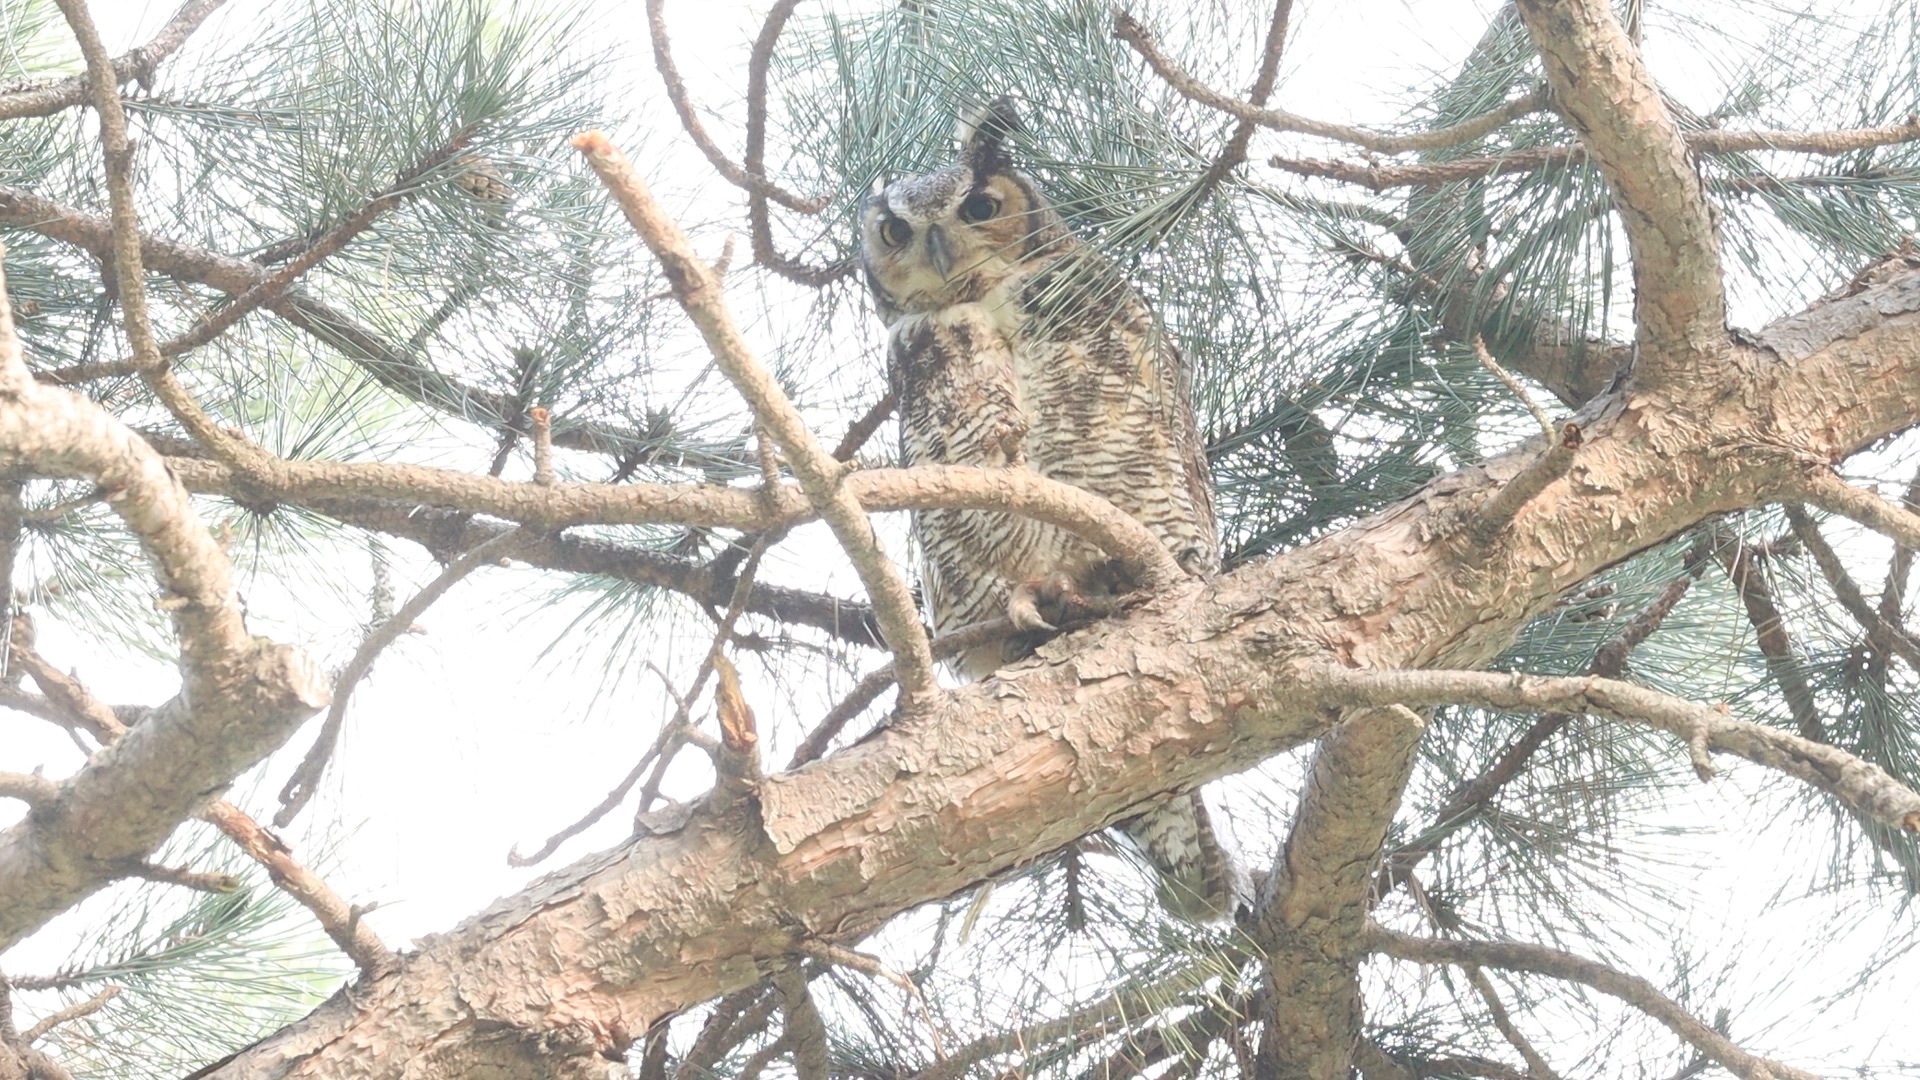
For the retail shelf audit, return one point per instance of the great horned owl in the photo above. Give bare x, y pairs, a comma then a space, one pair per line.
1011, 343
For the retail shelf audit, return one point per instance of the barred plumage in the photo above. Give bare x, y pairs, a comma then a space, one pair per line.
1013, 344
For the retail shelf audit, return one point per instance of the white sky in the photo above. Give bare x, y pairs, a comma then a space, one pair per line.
459, 746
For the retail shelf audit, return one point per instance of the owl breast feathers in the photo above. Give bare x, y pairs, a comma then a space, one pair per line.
1011, 343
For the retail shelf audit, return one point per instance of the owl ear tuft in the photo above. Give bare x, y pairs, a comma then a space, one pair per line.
984, 131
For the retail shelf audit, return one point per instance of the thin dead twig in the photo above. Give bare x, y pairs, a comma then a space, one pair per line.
1512, 384
68, 1015
339, 919
1130, 30
819, 475
1503, 1023
305, 781
1882, 634
1744, 572
748, 179
759, 221
197, 880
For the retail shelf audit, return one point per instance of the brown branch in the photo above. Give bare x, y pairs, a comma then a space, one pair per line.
138, 65
748, 179
338, 918
63, 690
1129, 29
806, 1033
1882, 634
1513, 386
1863, 787
1235, 151
1631, 989
398, 367
819, 474
30, 788
759, 221
245, 694
1744, 571
197, 880
1824, 489
1604, 89
305, 781
1382, 176
68, 1015
1498, 512
1537, 1066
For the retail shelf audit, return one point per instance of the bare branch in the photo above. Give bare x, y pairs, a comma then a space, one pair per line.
1513, 386
819, 475
50, 97
1537, 1065
1602, 86
1499, 511
246, 694
63, 690
806, 1033
1881, 633
305, 781
1830, 493
748, 179
1129, 29
1862, 786
69, 1014
197, 880
1744, 571
30, 788
339, 919
1631, 989
759, 222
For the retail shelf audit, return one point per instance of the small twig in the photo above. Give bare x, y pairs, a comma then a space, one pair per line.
862, 429
336, 916
137, 65
67, 1015
1500, 509
305, 781
1537, 1065
1513, 385
197, 880
542, 446
63, 690
759, 221
672, 734
1861, 786
875, 682
1770, 632
1631, 989
819, 475
1880, 632
1130, 30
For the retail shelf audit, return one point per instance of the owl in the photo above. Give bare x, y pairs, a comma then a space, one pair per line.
1012, 344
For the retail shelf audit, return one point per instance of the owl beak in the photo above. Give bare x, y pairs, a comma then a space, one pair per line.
938, 251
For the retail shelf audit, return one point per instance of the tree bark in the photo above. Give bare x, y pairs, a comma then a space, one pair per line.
1197, 683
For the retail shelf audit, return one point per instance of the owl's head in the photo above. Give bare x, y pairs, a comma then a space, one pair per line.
947, 237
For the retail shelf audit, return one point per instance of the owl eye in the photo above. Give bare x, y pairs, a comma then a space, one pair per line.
979, 208
895, 232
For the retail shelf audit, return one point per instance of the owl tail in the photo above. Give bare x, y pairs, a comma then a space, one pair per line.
1197, 880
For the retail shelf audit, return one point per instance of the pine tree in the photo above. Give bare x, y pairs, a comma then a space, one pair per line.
318, 313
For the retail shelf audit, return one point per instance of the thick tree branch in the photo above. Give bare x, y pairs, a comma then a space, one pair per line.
1196, 683
1604, 89
47, 98
246, 695
1632, 989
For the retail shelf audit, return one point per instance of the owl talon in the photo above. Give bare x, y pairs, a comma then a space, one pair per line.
1023, 607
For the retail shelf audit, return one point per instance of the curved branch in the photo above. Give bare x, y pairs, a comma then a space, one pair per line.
749, 179
1862, 786
1631, 989
1130, 30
